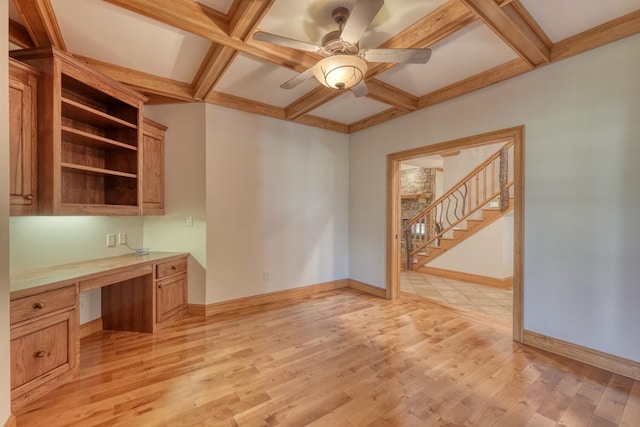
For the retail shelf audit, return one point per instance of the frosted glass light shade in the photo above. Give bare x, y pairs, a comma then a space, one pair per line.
340, 71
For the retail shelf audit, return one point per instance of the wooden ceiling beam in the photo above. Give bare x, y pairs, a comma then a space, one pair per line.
40, 22
376, 119
19, 35
144, 82
212, 69
439, 24
523, 42
238, 103
481, 80
519, 14
187, 15
322, 123
246, 16
608, 32
383, 92
310, 101
193, 17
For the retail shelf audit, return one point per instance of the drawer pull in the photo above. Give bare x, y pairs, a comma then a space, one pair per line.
40, 354
161, 286
28, 197
38, 305
173, 267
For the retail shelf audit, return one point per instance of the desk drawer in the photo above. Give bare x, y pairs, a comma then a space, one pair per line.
170, 268
39, 348
43, 303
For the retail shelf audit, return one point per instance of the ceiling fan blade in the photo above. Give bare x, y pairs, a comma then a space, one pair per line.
360, 89
359, 19
286, 42
405, 56
290, 84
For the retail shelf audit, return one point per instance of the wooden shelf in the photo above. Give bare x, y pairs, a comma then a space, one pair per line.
77, 136
96, 171
77, 111
89, 138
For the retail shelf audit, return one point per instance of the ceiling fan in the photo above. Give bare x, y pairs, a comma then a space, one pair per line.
345, 64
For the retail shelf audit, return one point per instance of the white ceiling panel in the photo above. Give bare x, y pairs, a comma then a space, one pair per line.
219, 5
109, 33
469, 51
349, 109
310, 20
565, 18
255, 79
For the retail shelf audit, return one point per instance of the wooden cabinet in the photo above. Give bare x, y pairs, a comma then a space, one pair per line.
22, 138
44, 343
89, 138
171, 289
139, 293
153, 168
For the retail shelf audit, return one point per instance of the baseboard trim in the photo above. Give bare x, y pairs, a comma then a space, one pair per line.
89, 328
196, 310
252, 301
506, 283
367, 288
11, 421
606, 361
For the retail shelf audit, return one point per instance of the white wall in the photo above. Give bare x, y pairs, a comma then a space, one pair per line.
42, 241
488, 253
458, 166
277, 202
185, 195
581, 204
5, 389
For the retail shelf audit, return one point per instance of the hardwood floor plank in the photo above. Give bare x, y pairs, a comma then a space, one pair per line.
342, 358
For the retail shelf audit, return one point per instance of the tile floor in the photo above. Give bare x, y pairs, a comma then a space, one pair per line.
467, 296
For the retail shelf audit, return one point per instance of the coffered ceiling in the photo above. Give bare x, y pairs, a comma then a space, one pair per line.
186, 50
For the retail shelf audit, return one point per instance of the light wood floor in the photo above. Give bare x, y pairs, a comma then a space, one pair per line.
337, 359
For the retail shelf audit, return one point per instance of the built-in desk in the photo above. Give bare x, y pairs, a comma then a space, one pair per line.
139, 293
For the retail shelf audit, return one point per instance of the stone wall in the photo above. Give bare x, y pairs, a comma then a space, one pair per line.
416, 181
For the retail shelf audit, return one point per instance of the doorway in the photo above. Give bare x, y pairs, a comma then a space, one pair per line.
394, 231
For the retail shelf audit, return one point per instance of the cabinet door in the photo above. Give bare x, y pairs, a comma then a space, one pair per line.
42, 351
22, 137
171, 296
153, 168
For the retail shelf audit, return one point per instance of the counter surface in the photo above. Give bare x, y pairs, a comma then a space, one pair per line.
28, 282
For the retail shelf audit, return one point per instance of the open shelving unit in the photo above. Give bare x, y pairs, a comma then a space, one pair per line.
89, 138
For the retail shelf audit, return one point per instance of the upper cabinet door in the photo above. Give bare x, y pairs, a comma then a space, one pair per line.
22, 138
153, 168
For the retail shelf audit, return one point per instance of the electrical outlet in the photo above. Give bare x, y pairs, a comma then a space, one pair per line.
266, 276
189, 221
111, 240
122, 238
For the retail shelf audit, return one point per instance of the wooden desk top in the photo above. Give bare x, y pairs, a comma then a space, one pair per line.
30, 282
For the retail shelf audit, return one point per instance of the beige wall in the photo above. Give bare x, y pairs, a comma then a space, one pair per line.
277, 202
184, 191
41, 241
581, 204
5, 396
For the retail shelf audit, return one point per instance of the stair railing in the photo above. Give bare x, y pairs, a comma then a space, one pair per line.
486, 182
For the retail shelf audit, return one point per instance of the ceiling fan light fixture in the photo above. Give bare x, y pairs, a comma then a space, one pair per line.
340, 71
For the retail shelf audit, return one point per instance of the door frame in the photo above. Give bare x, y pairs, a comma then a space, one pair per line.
394, 160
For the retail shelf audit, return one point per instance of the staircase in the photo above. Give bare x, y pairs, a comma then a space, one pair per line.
474, 202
